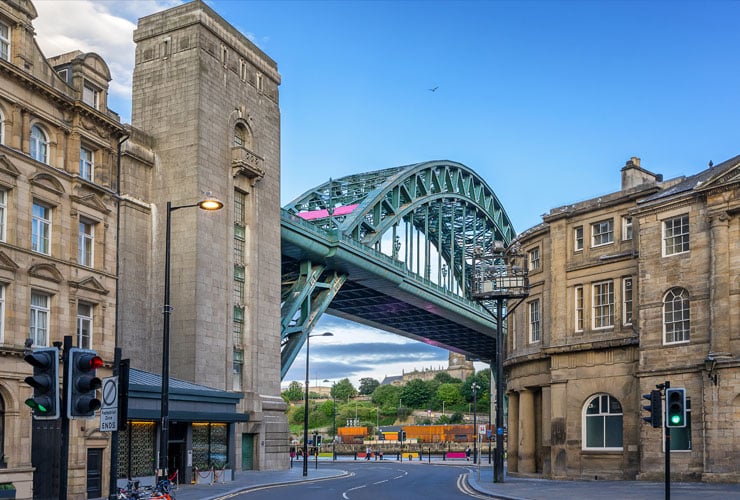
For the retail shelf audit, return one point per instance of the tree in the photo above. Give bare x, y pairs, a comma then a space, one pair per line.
294, 392
416, 394
386, 396
343, 390
368, 385
446, 378
449, 393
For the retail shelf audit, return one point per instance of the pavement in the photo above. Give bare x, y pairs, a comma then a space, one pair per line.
479, 479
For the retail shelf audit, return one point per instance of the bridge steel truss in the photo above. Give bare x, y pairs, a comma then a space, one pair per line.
334, 237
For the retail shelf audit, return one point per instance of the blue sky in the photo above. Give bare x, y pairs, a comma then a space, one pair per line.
545, 100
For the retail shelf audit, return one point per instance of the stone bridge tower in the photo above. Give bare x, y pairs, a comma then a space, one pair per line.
206, 118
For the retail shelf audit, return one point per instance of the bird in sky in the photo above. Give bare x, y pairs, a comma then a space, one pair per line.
434, 89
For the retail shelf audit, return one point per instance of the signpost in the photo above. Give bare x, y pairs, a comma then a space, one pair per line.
109, 406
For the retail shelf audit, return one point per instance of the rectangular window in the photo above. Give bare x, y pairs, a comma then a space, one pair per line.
578, 234
240, 201
4, 42
90, 95
534, 259
626, 228
534, 321
39, 319
603, 300
238, 292
85, 244
63, 74
579, 308
3, 213
242, 70
602, 232
260, 82
41, 229
238, 250
627, 301
676, 235
236, 384
84, 325
86, 164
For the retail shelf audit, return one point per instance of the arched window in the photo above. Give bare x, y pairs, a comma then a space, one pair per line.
242, 136
676, 318
39, 144
602, 423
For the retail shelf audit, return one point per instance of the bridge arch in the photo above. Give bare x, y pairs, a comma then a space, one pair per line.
426, 218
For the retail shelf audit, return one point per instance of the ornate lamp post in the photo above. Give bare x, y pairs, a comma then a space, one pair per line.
499, 275
207, 203
305, 407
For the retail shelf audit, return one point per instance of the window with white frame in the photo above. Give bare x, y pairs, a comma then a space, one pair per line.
86, 243
534, 321
84, 325
238, 365
602, 232
2, 313
603, 304
579, 308
39, 320
2, 127
681, 436
90, 95
4, 42
676, 235
626, 228
260, 82
627, 301
41, 229
676, 316
511, 330
534, 259
39, 145
3, 213
87, 162
578, 237
602, 423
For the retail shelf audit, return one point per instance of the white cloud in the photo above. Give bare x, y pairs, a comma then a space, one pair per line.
106, 28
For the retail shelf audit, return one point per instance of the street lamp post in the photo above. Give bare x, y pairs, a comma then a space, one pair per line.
207, 203
305, 407
475, 388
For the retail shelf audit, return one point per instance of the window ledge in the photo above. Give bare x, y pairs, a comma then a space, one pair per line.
602, 452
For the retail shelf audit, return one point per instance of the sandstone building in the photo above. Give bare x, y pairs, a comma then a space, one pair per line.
82, 236
630, 290
58, 225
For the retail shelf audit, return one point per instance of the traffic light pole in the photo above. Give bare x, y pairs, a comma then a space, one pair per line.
64, 459
667, 431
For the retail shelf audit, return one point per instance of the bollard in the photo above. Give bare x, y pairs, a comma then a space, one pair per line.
355, 456
398, 456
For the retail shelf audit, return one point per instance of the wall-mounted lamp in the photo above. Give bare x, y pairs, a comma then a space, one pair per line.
709, 365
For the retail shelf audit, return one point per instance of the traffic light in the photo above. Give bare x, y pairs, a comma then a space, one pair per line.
403, 436
82, 398
655, 408
675, 407
318, 439
45, 383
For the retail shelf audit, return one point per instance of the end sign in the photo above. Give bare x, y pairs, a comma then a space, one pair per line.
109, 405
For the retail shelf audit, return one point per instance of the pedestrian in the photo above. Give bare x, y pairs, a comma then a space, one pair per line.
368, 452
467, 453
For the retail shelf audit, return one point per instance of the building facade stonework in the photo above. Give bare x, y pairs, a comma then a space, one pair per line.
206, 119
630, 290
58, 237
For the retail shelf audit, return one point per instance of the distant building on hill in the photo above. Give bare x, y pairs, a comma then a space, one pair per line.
457, 367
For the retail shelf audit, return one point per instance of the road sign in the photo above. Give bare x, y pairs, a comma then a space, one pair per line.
482, 429
109, 405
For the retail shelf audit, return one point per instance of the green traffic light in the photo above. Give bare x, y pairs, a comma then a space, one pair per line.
30, 402
676, 419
